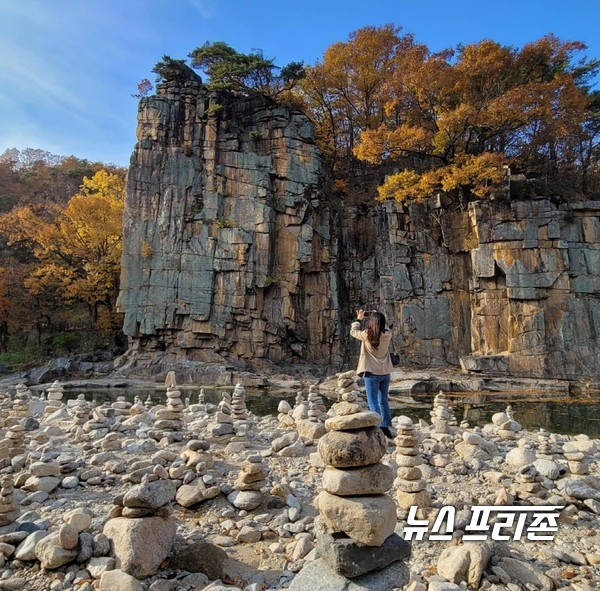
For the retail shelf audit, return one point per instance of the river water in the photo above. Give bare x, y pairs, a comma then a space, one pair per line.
564, 416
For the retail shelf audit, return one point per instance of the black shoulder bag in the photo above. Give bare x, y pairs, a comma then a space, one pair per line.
394, 355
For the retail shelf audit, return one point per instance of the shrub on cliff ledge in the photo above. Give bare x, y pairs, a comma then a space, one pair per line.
228, 69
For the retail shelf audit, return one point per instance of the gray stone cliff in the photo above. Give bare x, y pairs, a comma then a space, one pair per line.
235, 252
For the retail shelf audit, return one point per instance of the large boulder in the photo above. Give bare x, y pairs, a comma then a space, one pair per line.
464, 563
140, 545
366, 519
201, 557
51, 554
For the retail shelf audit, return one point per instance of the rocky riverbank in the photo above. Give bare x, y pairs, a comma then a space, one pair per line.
182, 497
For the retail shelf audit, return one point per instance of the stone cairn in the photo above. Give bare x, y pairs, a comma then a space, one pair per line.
121, 407
9, 510
300, 410
239, 412
247, 493
80, 411
411, 486
442, 416
576, 460
20, 406
360, 517
148, 404
202, 399
99, 423
223, 421
284, 415
55, 395
16, 436
527, 485
5, 407
312, 427
316, 408
545, 451
346, 382
137, 408
508, 428
170, 420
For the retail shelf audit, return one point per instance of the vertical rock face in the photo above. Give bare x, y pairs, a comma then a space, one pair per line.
535, 287
227, 246
234, 250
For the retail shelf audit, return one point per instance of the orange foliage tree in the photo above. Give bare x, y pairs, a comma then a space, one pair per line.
343, 92
454, 120
467, 119
76, 249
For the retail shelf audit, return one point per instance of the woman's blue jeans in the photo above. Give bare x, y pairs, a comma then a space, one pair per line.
377, 396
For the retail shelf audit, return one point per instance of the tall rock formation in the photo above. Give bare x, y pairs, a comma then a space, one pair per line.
226, 244
234, 251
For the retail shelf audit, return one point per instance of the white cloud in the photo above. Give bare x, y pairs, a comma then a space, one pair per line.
202, 7
32, 75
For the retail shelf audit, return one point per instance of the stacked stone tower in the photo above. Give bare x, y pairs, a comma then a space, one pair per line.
354, 506
170, 420
411, 486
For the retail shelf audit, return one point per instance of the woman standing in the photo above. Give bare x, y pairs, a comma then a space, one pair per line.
374, 364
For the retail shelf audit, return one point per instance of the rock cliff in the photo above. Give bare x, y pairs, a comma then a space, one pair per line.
235, 251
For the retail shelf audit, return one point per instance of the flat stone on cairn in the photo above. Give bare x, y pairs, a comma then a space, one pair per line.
411, 487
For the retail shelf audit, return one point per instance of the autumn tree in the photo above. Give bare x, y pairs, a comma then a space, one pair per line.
343, 93
77, 248
467, 116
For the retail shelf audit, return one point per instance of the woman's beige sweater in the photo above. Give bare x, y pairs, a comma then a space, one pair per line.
376, 361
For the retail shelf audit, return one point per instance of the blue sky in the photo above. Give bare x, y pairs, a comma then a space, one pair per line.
68, 67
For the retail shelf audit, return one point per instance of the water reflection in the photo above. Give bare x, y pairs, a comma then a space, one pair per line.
569, 418
555, 416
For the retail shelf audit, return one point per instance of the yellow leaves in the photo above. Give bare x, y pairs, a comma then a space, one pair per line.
381, 144
78, 249
482, 174
407, 186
